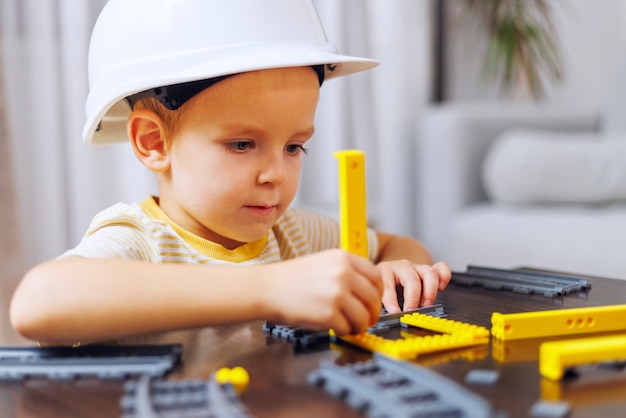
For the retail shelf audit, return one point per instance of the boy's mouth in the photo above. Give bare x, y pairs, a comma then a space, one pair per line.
262, 210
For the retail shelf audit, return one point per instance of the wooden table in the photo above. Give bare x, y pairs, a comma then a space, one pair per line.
278, 386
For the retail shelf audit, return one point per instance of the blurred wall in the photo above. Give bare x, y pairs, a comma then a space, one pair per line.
592, 37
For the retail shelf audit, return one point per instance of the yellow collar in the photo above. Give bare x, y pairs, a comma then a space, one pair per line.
245, 252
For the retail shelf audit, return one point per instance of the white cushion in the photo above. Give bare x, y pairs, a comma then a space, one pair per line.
570, 238
613, 113
538, 166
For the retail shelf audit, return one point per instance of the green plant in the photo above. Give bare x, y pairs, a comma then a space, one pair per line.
521, 51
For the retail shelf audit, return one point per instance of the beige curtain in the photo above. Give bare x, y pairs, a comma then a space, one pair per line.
12, 264
374, 111
11, 259
59, 183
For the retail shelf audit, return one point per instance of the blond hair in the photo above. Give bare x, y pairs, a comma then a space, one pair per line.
172, 119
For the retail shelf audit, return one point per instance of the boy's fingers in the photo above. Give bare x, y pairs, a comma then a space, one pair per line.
412, 289
445, 274
430, 283
404, 273
412, 293
369, 270
367, 291
357, 315
371, 300
341, 326
390, 297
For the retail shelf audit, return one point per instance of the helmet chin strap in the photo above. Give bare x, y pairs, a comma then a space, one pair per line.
175, 95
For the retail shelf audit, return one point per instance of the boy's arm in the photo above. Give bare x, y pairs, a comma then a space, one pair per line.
405, 261
77, 299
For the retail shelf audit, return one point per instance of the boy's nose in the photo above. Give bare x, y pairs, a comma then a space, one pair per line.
273, 171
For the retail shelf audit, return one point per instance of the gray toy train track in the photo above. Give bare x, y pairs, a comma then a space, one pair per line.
157, 398
102, 361
523, 281
385, 388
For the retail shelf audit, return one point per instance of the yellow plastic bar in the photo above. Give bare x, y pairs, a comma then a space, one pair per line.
411, 348
444, 325
556, 356
352, 201
558, 322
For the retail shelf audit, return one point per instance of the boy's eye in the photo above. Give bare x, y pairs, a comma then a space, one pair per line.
295, 149
240, 146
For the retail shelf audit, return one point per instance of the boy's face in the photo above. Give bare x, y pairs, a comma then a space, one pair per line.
235, 160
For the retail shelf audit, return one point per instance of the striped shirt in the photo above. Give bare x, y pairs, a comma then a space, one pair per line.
142, 231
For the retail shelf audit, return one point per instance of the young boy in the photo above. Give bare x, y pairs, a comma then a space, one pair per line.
218, 100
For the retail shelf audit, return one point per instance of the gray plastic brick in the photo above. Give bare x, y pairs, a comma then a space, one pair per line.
545, 409
482, 377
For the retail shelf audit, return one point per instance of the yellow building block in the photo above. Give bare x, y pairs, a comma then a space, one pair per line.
455, 335
352, 201
556, 356
237, 376
558, 322
444, 325
411, 348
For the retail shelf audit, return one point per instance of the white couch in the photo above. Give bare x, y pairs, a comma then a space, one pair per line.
467, 212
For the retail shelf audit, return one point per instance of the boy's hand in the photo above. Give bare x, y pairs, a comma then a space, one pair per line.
330, 289
421, 282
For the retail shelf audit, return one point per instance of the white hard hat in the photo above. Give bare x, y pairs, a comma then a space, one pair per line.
137, 45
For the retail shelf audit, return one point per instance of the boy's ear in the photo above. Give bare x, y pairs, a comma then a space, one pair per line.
147, 136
